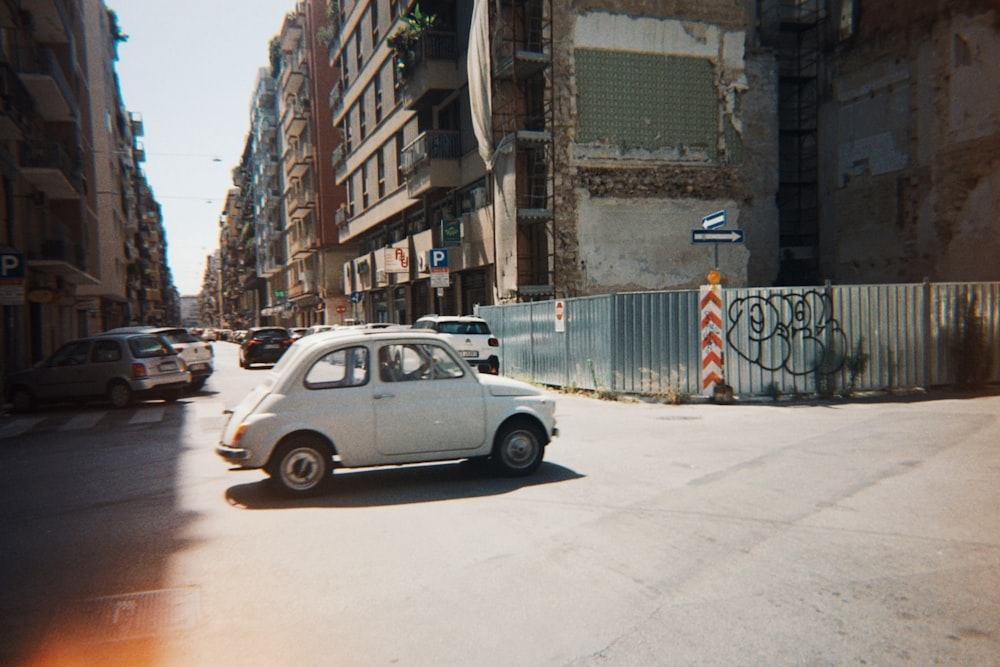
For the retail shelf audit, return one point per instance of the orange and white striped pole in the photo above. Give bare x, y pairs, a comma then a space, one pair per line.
713, 370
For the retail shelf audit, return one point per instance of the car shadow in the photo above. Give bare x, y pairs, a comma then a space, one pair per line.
410, 484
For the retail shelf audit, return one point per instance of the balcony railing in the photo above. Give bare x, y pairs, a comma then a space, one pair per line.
430, 145
16, 105
51, 168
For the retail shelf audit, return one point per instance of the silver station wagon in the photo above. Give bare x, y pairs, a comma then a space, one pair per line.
355, 398
115, 367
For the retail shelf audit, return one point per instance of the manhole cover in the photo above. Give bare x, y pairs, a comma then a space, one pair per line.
130, 616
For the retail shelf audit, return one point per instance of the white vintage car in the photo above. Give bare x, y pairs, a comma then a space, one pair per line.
358, 398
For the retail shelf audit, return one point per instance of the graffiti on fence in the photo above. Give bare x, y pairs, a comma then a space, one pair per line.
792, 332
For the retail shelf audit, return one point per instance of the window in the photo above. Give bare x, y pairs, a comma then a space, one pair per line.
377, 84
364, 186
357, 48
416, 361
380, 158
107, 350
340, 368
373, 13
362, 117
400, 179
72, 354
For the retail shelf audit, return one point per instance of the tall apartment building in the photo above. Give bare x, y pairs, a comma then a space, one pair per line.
268, 208
69, 175
313, 285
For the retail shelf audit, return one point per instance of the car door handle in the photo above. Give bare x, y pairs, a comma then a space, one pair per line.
381, 395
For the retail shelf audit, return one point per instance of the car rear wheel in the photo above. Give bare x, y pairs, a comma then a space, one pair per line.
519, 449
300, 466
120, 394
22, 400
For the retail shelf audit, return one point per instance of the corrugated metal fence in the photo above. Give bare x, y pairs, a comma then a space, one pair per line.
826, 339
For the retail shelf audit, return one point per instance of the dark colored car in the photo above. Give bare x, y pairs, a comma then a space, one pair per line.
264, 345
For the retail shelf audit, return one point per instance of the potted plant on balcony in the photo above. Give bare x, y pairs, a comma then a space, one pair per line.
403, 42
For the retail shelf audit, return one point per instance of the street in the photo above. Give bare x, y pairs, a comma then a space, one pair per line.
750, 534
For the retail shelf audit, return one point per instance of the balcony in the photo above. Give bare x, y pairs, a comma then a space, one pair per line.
336, 101
50, 168
298, 161
432, 161
50, 88
50, 21
16, 105
431, 70
136, 124
295, 116
293, 72
297, 204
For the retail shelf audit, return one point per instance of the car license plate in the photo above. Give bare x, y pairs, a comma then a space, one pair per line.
168, 366
469, 353
271, 346
197, 367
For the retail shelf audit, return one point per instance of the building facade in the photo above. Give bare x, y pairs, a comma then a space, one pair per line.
71, 182
555, 148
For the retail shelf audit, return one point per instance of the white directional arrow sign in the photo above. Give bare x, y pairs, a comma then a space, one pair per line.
716, 236
714, 221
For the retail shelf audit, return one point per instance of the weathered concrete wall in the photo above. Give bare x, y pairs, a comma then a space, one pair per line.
624, 212
910, 128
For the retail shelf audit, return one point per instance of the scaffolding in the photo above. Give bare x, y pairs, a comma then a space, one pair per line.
793, 28
522, 93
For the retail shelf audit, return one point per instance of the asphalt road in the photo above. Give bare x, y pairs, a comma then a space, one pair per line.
763, 534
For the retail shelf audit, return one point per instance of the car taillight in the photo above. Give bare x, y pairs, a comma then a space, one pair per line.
251, 343
493, 342
139, 371
289, 341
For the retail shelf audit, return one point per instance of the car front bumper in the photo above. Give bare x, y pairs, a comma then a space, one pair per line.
236, 455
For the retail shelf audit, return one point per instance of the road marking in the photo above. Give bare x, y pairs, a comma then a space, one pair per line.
86, 420
148, 415
20, 426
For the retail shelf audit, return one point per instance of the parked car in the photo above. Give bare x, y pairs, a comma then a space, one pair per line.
119, 367
263, 345
368, 398
470, 335
298, 332
197, 355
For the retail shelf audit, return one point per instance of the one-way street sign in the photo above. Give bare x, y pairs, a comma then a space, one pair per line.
716, 236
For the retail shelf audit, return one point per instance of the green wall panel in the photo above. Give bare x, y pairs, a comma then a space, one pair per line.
643, 100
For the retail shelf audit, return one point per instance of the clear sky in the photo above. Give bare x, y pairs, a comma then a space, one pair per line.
189, 67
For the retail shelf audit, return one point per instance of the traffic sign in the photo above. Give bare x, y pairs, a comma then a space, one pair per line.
714, 221
716, 236
438, 258
356, 297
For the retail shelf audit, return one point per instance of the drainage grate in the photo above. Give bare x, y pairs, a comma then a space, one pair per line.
130, 616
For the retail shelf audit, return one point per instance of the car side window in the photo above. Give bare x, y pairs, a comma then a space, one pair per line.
341, 368
106, 351
73, 354
419, 361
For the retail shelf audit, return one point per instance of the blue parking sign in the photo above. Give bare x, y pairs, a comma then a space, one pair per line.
438, 258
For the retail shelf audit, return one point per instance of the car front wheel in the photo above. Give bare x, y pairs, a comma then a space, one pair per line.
300, 466
120, 395
519, 449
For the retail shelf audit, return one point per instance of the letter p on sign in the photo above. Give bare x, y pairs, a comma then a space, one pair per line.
11, 265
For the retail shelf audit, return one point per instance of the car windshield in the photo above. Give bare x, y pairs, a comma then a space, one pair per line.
464, 328
270, 334
148, 346
179, 336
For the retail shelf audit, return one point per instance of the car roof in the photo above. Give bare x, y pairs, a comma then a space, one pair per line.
452, 318
348, 335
